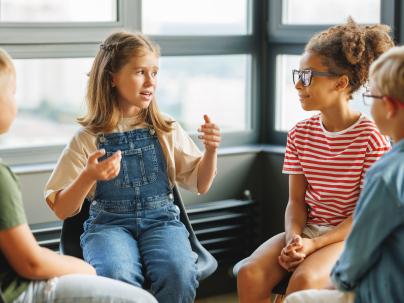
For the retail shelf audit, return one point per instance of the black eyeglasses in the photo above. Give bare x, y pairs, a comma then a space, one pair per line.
367, 98
306, 75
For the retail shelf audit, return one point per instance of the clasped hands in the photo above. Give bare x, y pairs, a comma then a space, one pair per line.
295, 251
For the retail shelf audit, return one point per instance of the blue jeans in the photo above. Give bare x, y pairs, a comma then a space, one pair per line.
83, 289
134, 232
155, 244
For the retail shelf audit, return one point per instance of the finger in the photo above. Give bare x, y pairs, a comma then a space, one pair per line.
296, 246
112, 173
206, 118
95, 155
286, 258
294, 264
282, 263
210, 138
297, 240
209, 130
210, 125
211, 144
115, 157
296, 255
285, 251
106, 166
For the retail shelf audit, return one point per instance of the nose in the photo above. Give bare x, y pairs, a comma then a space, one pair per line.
150, 80
298, 84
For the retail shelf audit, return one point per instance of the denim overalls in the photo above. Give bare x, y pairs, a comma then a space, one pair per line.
133, 231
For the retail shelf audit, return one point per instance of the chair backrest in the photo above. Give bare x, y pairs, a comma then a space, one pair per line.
72, 228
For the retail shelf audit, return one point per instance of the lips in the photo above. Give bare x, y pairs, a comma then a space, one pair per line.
302, 97
146, 93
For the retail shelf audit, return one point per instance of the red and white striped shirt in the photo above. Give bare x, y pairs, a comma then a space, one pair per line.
334, 164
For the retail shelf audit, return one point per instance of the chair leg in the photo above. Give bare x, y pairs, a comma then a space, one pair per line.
279, 298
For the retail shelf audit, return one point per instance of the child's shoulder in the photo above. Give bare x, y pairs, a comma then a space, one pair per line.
7, 177
83, 141
5, 170
367, 128
83, 135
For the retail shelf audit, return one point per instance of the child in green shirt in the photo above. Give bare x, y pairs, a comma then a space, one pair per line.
28, 272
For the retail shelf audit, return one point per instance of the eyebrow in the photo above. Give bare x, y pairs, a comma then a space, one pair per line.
145, 66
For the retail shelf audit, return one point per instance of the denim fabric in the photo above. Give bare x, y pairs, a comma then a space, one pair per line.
133, 232
372, 263
83, 289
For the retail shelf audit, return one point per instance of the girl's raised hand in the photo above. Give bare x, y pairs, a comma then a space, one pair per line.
210, 134
103, 170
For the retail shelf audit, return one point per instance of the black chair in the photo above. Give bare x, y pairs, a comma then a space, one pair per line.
72, 228
279, 289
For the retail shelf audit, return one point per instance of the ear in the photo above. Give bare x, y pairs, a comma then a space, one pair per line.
390, 107
113, 80
342, 82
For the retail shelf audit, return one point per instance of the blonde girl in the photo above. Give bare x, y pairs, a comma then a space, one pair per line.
29, 272
126, 160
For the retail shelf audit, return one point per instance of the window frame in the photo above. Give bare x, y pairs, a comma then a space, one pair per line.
78, 39
285, 39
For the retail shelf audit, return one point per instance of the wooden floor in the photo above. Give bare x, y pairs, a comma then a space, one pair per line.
228, 298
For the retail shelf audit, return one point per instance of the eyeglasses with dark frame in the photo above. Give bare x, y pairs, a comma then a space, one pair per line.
368, 98
306, 75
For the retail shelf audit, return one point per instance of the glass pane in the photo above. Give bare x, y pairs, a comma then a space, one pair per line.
330, 11
58, 11
51, 93
197, 17
50, 96
192, 86
287, 109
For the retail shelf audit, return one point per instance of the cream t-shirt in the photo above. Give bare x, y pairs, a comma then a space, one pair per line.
181, 153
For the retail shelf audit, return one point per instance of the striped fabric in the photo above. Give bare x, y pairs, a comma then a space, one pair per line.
334, 164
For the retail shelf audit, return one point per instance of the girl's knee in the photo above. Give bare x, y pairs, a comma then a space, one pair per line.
301, 280
183, 278
249, 273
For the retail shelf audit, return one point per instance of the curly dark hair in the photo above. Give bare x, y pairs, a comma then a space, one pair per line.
350, 49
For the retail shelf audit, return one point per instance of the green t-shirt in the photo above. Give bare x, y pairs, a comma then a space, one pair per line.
11, 214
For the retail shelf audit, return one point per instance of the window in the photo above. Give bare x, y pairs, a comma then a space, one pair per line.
329, 11
58, 11
198, 17
208, 65
50, 96
190, 87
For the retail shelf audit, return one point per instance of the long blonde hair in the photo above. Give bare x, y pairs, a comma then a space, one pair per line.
103, 113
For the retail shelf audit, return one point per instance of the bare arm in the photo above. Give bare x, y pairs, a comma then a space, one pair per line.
296, 212
335, 235
68, 200
33, 262
207, 166
207, 171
